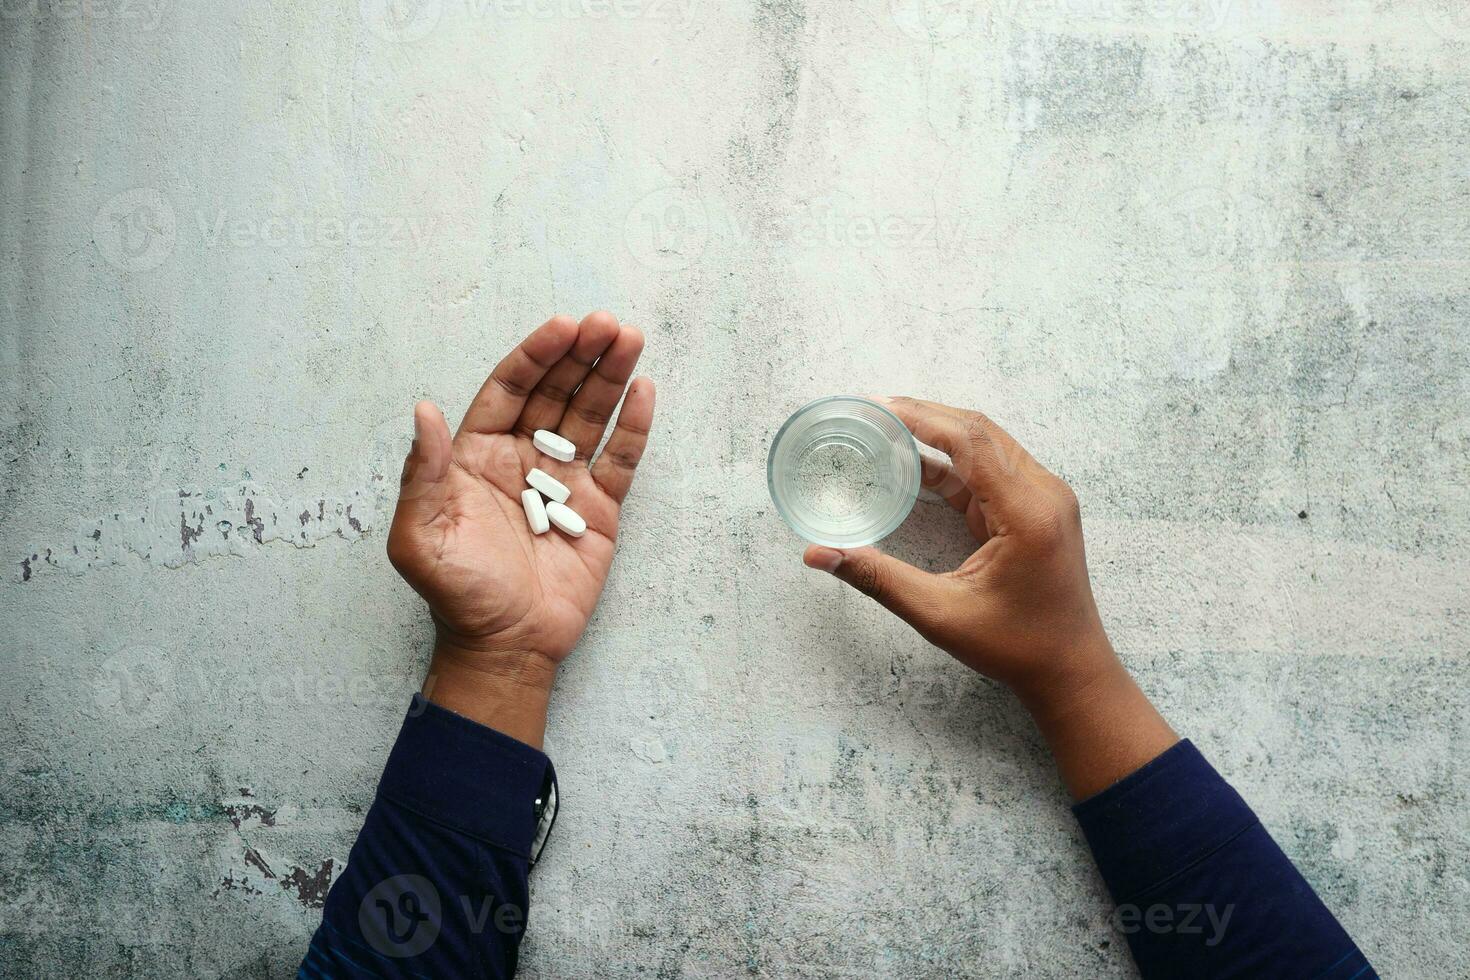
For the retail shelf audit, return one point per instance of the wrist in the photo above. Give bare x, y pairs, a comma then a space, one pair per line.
1082, 671
507, 662
508, 690
1098, 723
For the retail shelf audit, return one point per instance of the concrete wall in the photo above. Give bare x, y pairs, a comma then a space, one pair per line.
1207, 259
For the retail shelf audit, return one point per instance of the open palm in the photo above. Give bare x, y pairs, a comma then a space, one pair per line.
460, 536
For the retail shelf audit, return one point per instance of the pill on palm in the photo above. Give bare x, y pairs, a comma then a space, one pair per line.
566, 519
535, 511
554, 445
551, 488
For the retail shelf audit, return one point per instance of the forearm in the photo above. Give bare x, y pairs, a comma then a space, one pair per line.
1097, 722
1200, 887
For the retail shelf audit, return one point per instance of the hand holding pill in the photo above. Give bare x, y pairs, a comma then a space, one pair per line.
510, 597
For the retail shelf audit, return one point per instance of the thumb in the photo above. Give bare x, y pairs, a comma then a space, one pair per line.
916, 596
423, 484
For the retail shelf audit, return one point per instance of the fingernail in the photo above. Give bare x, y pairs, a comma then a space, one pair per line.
880, 399
824, 559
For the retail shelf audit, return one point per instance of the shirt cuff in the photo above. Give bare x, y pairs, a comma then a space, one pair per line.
471, 778
1161, 820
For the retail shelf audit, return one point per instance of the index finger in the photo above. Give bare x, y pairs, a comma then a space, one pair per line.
983, 454
501, 398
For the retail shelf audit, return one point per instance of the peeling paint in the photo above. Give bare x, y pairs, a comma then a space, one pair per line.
310, 887
253, 858
139, 535
246, 813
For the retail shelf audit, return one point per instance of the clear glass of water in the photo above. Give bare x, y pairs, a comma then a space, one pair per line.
843, 472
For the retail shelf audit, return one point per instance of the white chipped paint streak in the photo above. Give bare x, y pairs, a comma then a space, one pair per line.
187, 525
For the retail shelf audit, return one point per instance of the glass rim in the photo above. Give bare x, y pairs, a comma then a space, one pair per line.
907, 446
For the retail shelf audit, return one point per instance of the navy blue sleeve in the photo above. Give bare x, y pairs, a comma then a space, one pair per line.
1201, 890
436, 884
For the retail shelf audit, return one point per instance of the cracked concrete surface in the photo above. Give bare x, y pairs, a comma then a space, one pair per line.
1207, 259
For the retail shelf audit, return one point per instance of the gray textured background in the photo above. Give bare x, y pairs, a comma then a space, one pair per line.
1207, 259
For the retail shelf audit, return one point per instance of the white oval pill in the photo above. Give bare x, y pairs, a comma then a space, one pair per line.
551, 488
535, 511
554, 445
565, 518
